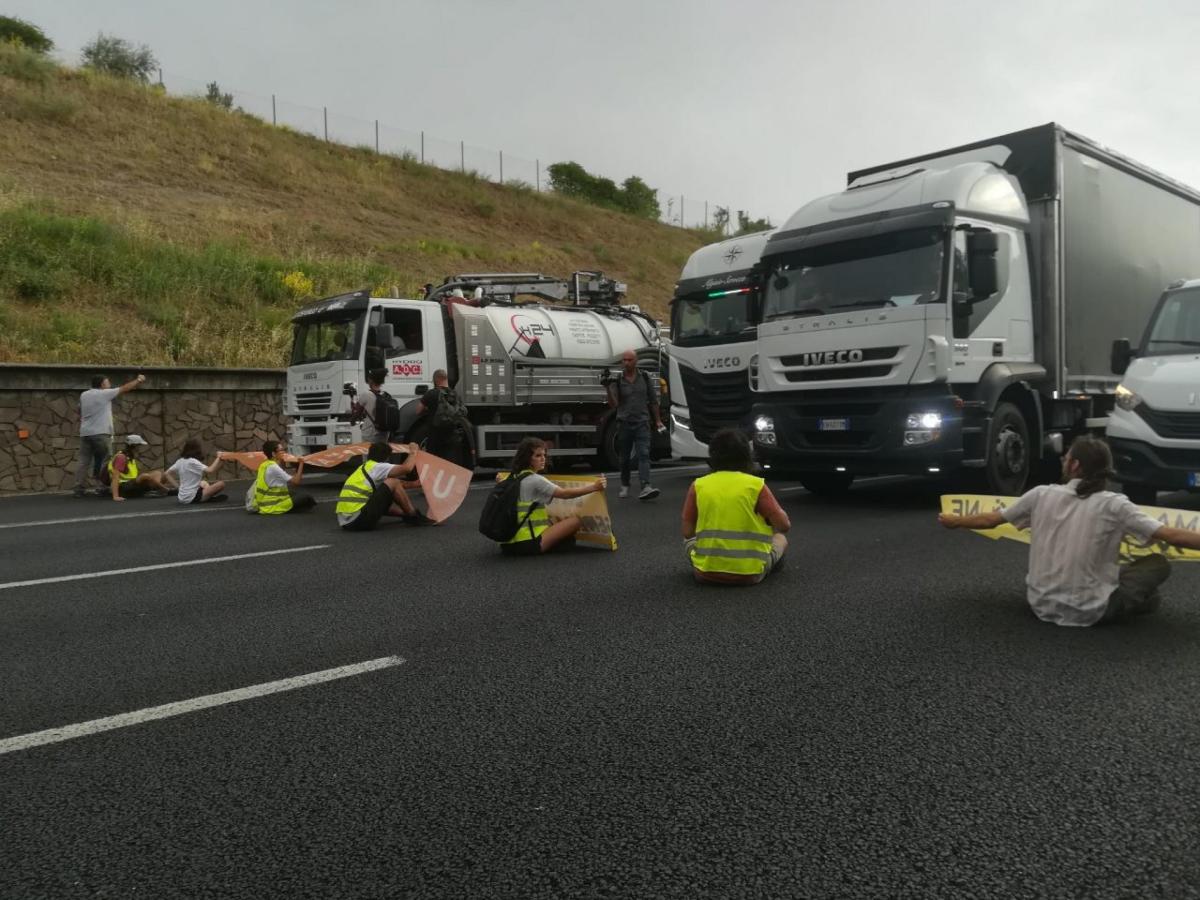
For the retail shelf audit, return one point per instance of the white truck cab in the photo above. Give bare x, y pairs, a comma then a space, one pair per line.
1154, 429
713, 316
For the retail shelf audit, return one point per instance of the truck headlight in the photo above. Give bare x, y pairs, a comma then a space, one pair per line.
922, 428
342, 437
764, 431
681, 421
752, 372
764, 423
1127, 399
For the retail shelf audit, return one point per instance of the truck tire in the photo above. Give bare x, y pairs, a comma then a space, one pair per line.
1009, 458
826, 484
607, 456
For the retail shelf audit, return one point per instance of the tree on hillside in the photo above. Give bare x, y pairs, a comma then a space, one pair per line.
634, 196
28, 35
747, 225
116, 56
720, 219
216, 98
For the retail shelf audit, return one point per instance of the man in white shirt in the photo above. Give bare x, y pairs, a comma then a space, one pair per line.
96, 426
365, 407
270, 493
1076, 531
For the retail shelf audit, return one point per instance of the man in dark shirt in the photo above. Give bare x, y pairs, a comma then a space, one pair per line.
446, 434
636, 403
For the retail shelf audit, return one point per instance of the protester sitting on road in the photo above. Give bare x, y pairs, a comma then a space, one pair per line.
126, 479
96, 427
733, 527
187, 474
1075, 534
536, 534
269, 494
375, 490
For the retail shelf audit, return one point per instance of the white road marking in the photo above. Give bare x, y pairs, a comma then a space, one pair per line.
172, 565
141, 515
179, 708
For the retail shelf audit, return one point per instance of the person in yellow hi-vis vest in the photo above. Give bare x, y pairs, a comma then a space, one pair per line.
375, 490
270, 494
733, 527
536, 534
126, 479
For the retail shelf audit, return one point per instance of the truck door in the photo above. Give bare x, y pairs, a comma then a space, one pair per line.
398, 343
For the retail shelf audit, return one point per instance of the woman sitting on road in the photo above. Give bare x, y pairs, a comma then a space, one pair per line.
188, 474
732, 524
537, 535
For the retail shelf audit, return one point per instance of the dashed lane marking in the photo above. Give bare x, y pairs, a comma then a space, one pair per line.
172, 565
181, 707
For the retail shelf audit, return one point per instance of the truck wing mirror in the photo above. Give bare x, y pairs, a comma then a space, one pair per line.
1122, 354
982, 247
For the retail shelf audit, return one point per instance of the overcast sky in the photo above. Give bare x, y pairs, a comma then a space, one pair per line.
759, 104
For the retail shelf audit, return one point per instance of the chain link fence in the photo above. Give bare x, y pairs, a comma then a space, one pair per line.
495, 165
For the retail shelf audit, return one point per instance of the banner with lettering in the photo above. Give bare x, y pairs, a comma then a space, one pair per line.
972, 504
444, 485
592, 509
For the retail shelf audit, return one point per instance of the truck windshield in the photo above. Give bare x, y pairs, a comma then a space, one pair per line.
712, 317
326, 339
901, 268
1176, 328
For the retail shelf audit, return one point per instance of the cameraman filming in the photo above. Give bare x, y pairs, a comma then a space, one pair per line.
362, 408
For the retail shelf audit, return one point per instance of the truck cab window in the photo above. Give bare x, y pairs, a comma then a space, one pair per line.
406, 331
323, 340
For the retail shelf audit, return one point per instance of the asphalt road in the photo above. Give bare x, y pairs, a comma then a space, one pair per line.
884, 718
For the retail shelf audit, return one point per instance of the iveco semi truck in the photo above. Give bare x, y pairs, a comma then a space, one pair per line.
521, 368
713, 317
956, 311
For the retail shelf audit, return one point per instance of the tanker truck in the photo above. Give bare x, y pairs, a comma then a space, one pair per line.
713, 317
954, 312
521, 368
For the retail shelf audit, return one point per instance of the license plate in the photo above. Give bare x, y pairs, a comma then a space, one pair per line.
833, 424
1193, 479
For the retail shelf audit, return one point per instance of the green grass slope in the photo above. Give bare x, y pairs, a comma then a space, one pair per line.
137, 228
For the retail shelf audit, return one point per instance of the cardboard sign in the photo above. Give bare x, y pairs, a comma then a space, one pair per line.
595, 529
972, 504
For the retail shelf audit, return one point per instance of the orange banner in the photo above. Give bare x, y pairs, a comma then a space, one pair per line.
444, 485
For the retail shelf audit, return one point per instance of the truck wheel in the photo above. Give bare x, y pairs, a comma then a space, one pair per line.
606, 454
826, 484
1141, 494
1008, 452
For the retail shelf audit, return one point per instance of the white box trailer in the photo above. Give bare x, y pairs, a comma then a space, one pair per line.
957, 309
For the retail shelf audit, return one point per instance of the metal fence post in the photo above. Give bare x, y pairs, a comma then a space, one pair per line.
501, 167
706, 215
462, 157
422, 146
376, 137
681, 224
160, 81
537, 163
274, 121
325, 112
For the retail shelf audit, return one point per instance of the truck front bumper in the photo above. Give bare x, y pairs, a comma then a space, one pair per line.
1166, 468
909, 431
308, 437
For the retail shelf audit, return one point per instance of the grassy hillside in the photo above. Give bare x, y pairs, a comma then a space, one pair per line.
138, 228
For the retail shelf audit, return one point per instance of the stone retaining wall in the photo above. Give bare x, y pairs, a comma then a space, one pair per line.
228, 409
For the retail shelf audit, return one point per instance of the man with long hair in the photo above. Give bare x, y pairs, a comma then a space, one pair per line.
733, 527
1076, 531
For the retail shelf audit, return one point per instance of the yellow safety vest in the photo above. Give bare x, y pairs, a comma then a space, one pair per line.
730, 536
357, 490
130, 473
539, 519
270, 501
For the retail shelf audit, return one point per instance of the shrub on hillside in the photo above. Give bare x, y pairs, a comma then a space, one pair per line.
216, 98
17, 61
26, 34
747, 225
634, 196
116, 56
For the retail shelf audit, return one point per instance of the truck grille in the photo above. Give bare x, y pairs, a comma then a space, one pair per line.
315, 401
715, 401
1179, 425
802, 367
839, 373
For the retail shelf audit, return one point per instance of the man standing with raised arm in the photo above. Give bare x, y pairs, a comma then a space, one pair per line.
96, 426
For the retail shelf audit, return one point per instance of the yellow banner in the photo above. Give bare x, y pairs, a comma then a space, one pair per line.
592, 509
972, 504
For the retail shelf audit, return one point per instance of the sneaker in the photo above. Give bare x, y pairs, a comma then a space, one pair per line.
624, 492
217, 498
649, 492
78, 493
419, 519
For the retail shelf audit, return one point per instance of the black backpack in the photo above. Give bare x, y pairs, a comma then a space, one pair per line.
449, 411
387, 413
499, 520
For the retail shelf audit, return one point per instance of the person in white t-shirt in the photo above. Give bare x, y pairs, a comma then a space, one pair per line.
536, 534
187, 473
96, 427
1076, 531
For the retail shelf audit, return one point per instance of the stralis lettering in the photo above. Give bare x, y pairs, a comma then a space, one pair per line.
829, 357
721, 362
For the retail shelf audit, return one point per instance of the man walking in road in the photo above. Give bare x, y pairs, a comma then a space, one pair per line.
96, 426
1075, 535
636, 403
